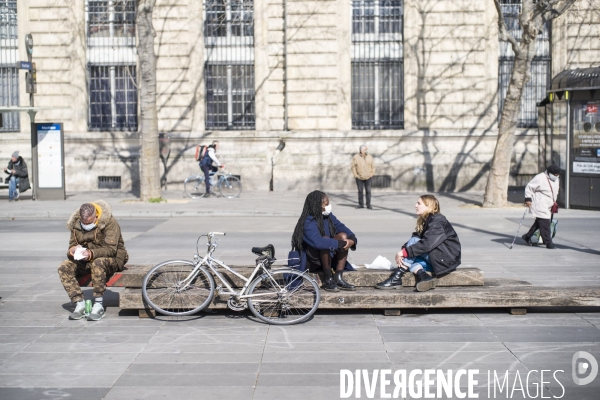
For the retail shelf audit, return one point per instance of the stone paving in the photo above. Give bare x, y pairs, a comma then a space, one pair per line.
228, 355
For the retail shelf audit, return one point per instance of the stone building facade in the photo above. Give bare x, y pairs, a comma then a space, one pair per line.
299, 63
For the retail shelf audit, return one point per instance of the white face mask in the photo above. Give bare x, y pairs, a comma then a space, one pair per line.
552, 177
87, 227
327, 210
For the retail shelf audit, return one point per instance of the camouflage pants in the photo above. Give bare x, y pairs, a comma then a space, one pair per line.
100, 268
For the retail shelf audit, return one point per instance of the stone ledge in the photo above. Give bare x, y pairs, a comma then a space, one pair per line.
133, 277
495, 294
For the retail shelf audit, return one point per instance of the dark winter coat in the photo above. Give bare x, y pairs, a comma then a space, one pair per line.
313, 238
104, 241
20, 168
440, 240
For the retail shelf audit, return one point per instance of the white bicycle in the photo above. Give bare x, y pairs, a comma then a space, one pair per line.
281, 296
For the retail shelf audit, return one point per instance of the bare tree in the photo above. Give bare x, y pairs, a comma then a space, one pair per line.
533, 15
149, 165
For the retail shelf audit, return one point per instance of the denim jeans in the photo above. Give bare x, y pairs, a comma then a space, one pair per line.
12, 187
416, 263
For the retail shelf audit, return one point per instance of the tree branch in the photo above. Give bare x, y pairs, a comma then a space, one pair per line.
504, 35
555, 13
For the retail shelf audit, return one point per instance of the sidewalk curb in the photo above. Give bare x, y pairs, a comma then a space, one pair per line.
152, 214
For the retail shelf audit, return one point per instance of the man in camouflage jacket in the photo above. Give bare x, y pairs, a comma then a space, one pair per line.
96, 245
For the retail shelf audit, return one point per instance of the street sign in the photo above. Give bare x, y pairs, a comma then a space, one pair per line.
25, 65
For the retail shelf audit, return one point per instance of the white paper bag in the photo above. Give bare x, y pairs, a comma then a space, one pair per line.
380, 263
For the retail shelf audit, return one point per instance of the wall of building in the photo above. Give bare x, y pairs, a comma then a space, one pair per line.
450, 91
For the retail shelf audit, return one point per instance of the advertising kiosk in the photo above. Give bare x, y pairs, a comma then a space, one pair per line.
571, 114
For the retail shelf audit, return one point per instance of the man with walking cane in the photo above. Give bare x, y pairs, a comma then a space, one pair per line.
540, 196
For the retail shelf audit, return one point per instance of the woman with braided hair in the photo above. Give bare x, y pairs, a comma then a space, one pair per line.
323, 242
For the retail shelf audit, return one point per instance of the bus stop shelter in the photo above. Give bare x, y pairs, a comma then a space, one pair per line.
570, 117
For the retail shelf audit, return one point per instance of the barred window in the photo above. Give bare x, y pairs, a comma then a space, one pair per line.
229, 64
377, 64
111, 65
9, 73
535, 88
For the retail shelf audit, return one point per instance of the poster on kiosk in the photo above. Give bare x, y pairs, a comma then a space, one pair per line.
48, 157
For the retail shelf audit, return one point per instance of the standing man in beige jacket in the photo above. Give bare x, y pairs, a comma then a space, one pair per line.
363, 170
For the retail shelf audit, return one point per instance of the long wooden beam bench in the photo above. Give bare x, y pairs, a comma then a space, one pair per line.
464, 288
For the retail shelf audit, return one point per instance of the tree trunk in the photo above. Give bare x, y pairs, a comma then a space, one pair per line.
496, 190
149, 161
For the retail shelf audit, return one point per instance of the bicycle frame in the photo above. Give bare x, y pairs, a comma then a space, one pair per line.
209, 260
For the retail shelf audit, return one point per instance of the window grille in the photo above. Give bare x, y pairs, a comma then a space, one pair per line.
109, 182
377, 64
535, 88
111, 65
229, 64
9, 73
381, 181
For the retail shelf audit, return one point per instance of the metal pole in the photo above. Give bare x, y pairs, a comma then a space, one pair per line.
34, 158
285, 83
568, 156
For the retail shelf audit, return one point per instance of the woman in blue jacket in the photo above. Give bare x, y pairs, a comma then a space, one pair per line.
323, 242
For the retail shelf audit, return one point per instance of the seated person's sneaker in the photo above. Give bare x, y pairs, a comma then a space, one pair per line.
97, 312
424, 281
79, 311
394, 281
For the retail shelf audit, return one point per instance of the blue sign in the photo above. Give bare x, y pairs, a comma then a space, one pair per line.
48, 127
25, 65
597, 152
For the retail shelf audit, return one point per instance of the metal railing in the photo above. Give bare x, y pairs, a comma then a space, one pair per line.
9, 73
535, 89
377, 64
111, 65
229, 64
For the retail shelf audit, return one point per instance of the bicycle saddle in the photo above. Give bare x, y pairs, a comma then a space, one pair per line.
268, 250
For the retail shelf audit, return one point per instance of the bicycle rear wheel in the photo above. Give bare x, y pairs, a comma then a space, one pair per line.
194, 186
230, 186
286, 297
170, 290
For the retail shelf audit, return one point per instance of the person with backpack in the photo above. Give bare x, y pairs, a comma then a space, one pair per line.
208, 157
434, 247
540, 196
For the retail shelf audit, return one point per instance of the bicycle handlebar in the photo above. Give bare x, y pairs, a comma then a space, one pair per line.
218, 233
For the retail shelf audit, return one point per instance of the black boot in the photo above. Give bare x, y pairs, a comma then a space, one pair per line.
394, 281
329, 283
527, 240
341, 283
424, 281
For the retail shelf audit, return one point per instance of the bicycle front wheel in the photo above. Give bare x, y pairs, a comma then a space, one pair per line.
284, 297
170, 288
230, 186
194, 186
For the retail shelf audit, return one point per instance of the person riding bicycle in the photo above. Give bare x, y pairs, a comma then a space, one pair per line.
206, 165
